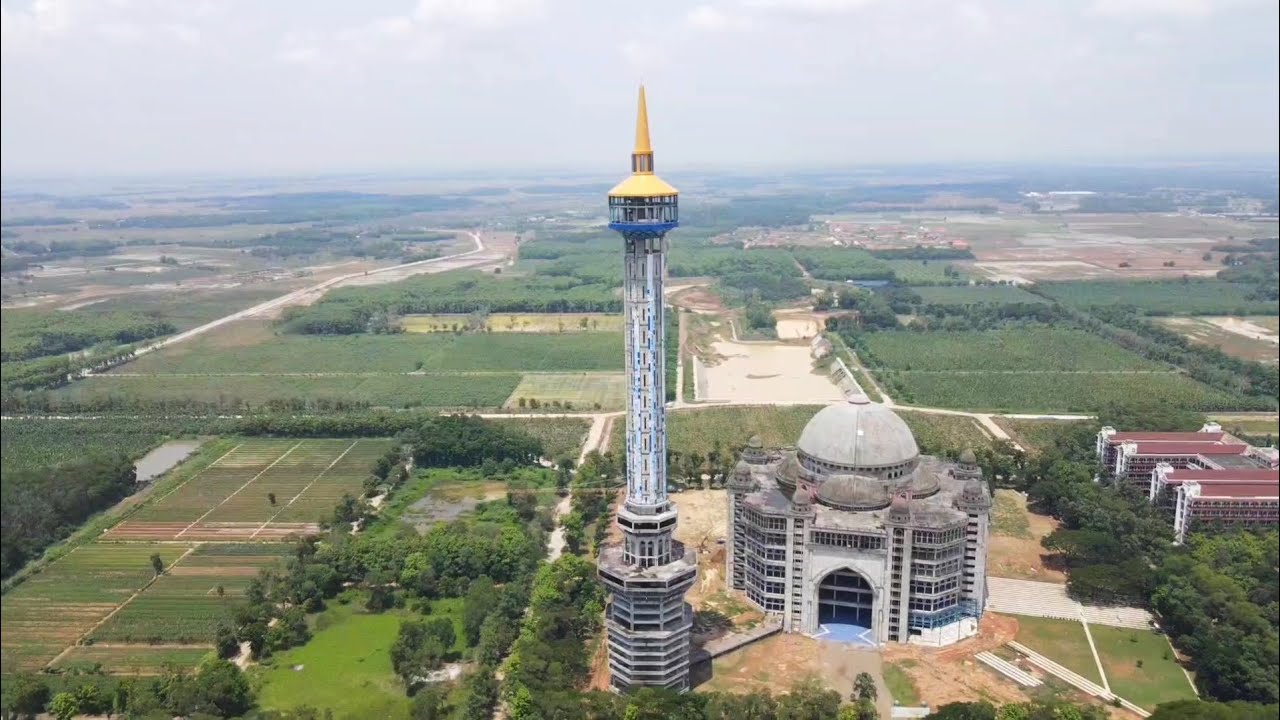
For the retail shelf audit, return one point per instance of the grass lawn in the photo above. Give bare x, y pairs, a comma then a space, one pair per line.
1062, 641
1159, 680
346, 668
1009, 516
900, 684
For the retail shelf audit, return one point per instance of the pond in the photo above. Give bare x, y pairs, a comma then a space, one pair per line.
160, 460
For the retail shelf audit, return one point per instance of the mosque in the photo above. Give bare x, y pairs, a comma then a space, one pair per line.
855, 536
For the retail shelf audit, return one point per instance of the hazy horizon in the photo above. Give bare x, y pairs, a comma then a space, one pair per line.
144, 88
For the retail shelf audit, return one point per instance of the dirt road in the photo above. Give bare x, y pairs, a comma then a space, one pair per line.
477, 256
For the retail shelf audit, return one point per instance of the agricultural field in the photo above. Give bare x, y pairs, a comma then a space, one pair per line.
517, 323
1037, 349
253, 347
129, 659
1248, 338
187, 603
345, 667
914, 272
1006, 392
406, 390
51, 610
230, 497
561, 437
582, 391
975, 295
1140, 666
1170, 297
44, 443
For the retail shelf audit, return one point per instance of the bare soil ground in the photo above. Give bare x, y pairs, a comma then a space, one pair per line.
1014, 550
764, 373
946, 675
1245, 338
796, 325
703, 526
696, 298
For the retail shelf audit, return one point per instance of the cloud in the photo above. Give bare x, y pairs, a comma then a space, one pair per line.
1185, 9
711, 19
811, 7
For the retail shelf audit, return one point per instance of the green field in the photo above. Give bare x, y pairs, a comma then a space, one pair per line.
1170, 297
691, 430
1021, 348
901, 687
43, 443
1050, 392
52, 609
184, 606
131, 659
911, 272
249, 347
1062, 641
1158, 680
231, 493
487, 390
975, 295
518, 323
561, 437
345, 668
585, 391
1039, 435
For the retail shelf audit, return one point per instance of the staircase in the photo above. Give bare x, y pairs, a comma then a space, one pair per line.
1009, 670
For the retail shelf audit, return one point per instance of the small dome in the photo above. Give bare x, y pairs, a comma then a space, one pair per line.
742, 469
968, 458
755, 442
858, 433
900, 507
853, 492
802, 498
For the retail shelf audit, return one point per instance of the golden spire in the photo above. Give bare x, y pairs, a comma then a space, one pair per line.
642, 126
642, 182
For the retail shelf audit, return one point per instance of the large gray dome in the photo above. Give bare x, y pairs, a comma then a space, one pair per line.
858, 433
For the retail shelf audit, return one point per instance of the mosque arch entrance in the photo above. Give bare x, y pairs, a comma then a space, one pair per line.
845, 598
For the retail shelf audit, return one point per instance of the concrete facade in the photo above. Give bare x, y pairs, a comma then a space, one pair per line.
854, 528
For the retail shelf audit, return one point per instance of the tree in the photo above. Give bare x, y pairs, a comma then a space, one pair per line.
481, 599
964, 711
225, 641
157, 563
429, 704
25, 695
221, 689
481, 694
574, 532
271, 498
1203, 710
64, 706
864, 687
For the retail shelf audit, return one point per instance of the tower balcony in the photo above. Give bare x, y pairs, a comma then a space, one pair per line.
646, 216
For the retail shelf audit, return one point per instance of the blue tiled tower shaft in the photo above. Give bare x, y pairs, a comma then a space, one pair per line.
647, 621
644, 269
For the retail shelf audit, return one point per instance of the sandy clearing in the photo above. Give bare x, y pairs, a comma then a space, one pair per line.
1241, 326
763, 373
796, 328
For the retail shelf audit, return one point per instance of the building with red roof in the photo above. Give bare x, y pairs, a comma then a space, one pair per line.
1204, 478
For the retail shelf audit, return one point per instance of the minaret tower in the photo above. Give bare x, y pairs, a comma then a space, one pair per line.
648, 621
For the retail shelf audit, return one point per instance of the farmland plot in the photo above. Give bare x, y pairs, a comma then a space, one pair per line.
1013, 349
186, 604
230, 498
51, 610
118, 659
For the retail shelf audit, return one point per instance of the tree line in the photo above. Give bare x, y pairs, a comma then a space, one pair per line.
1216, 595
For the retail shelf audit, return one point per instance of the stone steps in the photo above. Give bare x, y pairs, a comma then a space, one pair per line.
1009, 670
1074, 678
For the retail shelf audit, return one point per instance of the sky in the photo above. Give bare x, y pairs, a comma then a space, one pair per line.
132, 87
